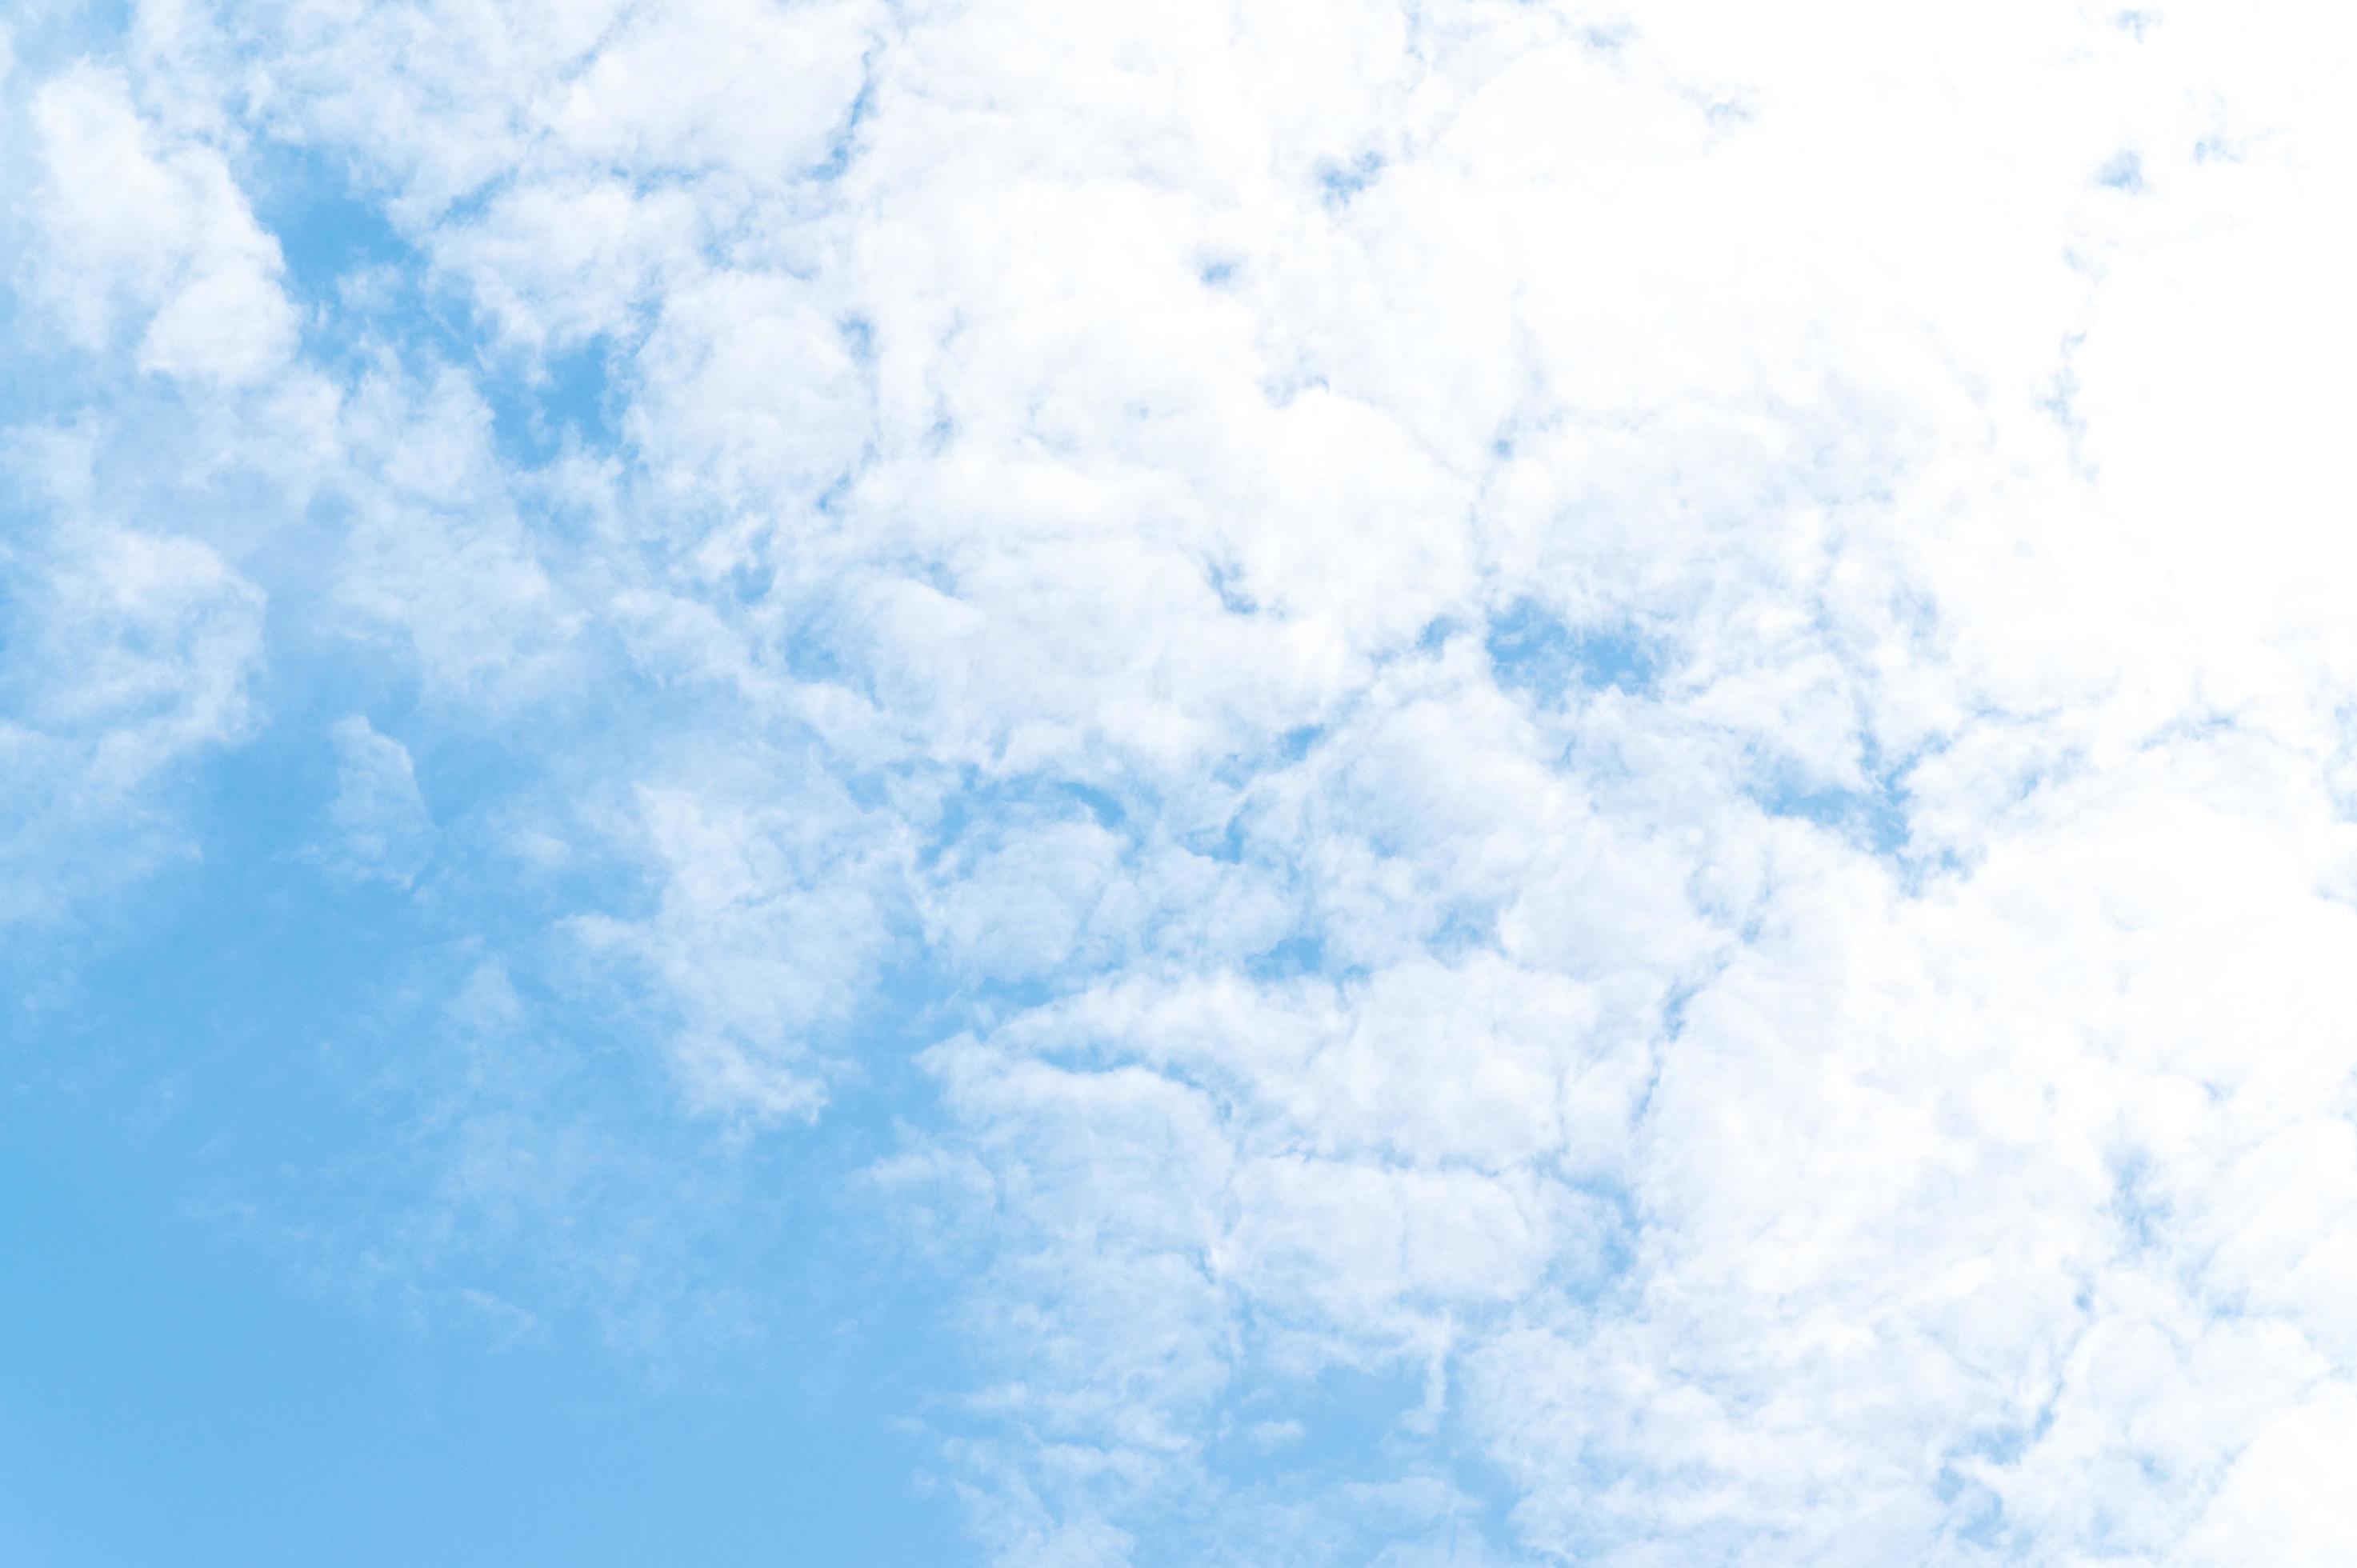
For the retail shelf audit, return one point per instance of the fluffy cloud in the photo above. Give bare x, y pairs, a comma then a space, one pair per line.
152, 240
1627, 730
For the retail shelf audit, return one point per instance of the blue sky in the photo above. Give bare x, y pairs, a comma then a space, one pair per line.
1322, 783
199, 1136
172, 1399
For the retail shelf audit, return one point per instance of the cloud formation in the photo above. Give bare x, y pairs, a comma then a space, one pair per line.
1597, 762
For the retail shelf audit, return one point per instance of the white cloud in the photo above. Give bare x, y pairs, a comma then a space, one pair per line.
2281, 1499
128, 655
435, 559
1635, 721
152, 232
768, 924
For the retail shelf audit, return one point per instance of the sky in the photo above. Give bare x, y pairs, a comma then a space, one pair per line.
1465, 785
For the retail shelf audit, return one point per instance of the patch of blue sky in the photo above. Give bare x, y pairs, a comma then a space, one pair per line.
1975, 1513
1297, 743
271, 1039
842, 142
29, 377
1341, 182
557, 402
43, 39
1874, 818
1227, 581
2141, 1213
193, 1403
364, 287
1224, 841
331, 235
1294, 958
1536, 654
1286, 1442
1342, 1420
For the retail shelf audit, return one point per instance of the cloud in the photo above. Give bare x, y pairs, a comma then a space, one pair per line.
151, 236
378, 817
1579, 782
130, 656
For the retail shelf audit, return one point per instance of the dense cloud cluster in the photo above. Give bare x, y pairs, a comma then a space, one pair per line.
1601, 758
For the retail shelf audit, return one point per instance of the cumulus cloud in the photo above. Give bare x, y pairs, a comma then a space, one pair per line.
1629, 729
152, 240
